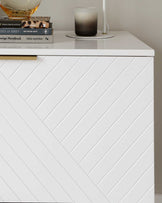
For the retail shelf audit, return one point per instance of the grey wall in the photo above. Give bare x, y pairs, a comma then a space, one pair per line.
141, 17
62, 11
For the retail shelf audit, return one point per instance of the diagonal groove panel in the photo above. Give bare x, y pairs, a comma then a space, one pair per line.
54, 111
45, 147
53, 163
122, 155
138, 168
16, 70
137, 157
147, 195
2, 64
31, 73
39, 75
23, 72
4, 184
82, 68
80, 115
51, 81
30, 193
10, 67
70, 90
128, 120
68, 165
56, 85
104, 126
145, 177
95, 112
50, 179
84, 139
43, 79
18, 161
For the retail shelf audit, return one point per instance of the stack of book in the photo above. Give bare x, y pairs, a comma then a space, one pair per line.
35, 30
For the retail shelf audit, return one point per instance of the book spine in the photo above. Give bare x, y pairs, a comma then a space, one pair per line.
34, 22
26, 39
26, 31
10, 24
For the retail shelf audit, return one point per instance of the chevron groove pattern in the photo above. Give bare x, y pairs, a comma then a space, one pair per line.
143, 178
79, 100
77, 129
93, 129
95, 194
115, 189
42, 78
89, 88
37, 160
34, 70
73, 87
52, 160
91, 107
59, 82
84, 115
10, 72
73, 137
148, 195
122, 155
56, 76
103, 137
26, 187
8, 147
7, 192
129, 167
97, 122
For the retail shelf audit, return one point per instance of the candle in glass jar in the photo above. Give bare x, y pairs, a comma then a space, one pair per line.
86, 21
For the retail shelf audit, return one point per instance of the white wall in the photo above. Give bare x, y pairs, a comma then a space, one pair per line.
141, 17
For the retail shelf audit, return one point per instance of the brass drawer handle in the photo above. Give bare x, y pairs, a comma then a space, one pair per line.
17, 57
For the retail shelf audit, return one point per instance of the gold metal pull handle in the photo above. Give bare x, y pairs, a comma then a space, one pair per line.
17, 57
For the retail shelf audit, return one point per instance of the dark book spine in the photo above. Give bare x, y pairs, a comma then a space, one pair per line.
10, 24
26, 31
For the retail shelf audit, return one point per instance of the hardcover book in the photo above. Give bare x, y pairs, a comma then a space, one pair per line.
26, 31
33, 22
26, 39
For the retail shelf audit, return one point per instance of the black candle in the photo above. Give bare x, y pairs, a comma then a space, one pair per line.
86, 21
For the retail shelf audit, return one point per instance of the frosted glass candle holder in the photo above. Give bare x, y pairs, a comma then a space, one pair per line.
86, 21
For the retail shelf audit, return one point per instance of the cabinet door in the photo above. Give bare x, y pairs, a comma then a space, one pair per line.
77, 129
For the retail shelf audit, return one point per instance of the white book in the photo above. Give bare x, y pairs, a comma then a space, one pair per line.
35, 39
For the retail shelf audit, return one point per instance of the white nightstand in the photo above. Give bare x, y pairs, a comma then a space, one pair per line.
77, 124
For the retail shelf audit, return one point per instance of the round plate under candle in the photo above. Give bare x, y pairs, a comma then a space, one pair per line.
98, 36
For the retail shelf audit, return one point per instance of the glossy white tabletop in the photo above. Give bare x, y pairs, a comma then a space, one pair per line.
122, 44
